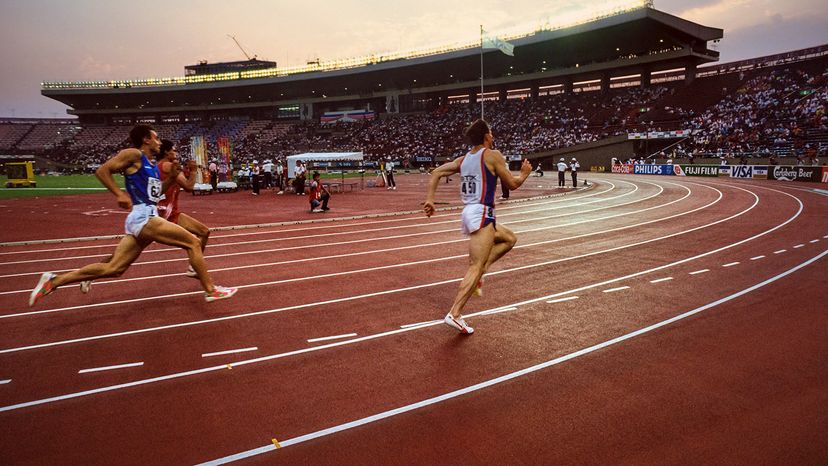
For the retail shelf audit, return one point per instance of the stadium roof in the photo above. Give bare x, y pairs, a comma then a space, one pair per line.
636, 41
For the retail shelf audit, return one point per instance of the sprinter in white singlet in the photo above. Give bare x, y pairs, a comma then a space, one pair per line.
479, 171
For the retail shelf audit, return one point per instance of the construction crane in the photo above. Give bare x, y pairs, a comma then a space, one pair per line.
241, 48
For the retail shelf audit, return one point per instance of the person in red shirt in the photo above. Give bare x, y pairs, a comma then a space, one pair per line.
168, 205
319, 196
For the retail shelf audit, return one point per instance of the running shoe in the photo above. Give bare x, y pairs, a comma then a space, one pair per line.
478, 290
317, 211
44, 287
85, 286
458, 324
191, 272
219, 292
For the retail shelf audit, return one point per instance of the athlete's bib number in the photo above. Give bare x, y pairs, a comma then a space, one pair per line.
154, 189
468, 187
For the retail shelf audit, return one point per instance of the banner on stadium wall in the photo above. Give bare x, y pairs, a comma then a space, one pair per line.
682, 133
793, 173
825, 174
724, 170
696, 170
225, 149
346, 116
649, 169
749, 171
626, 168
198, 152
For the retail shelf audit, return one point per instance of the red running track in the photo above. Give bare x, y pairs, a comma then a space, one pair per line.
738, 376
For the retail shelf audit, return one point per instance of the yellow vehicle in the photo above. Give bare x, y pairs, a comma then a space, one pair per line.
20, 174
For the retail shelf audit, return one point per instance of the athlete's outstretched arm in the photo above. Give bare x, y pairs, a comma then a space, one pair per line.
188, 184
121, 163
446, 169
502, 171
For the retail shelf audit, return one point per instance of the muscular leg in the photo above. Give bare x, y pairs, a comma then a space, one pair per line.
128, 249
158, 229
480, 248
195, 227
504, 241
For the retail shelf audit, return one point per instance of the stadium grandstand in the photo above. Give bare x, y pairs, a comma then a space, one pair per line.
613, 78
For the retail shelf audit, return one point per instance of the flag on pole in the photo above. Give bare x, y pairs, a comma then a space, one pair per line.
494, 42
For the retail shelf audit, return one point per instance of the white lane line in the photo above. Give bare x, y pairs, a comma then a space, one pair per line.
504, 378
825, 237
520, 246
309, 225
421, 224
308, 350
109, 368
700, 271
364, 240
814, 241
560, 300
497, 311
333, 337
798, 246
222, 353
756, 258
659, 280
421, 324
4, 382
780, 251
613, 290
427, 285
731, 264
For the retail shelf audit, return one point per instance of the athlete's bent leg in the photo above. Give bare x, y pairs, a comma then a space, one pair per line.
480, 247
158, 229
128, 249
195, 227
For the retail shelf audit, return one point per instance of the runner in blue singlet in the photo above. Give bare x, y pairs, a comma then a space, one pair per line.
143, 225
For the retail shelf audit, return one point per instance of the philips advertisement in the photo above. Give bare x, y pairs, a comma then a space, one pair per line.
641, 169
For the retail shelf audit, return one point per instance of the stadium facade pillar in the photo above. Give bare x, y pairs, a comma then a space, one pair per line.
689, 73
646, 78
392, 103
473, 96
605, 83
306, 111
534, 90
501, 94
567, 86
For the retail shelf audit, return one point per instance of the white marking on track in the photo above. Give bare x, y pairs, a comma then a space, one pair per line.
497, 311
659, 280
560, 300
756, 258
233, 351
731, 264
421, 324
109, 368
333, 337
700, 271
799, 246
814, 241
613, 290
4, 382
780, 251
504, 378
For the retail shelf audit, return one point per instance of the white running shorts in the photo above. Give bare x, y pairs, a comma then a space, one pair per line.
140, 215
475, 217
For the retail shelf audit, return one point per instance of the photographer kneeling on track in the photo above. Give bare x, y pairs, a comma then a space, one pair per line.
319, 196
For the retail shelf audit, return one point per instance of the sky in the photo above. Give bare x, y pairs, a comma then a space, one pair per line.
98, 40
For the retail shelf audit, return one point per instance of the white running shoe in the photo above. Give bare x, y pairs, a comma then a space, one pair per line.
191, 272
219, 292
458, 324
85, 286
317, 211
44, 287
